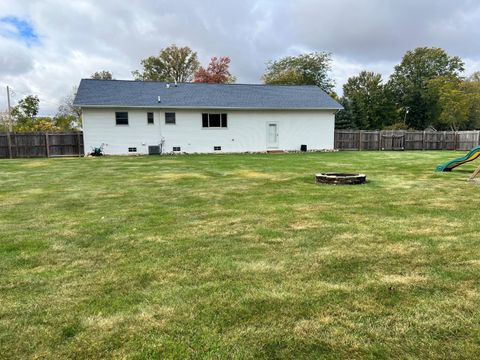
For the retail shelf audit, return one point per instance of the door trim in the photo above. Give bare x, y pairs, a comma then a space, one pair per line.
269, 145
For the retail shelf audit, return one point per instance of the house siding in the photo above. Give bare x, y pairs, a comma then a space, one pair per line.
246, 131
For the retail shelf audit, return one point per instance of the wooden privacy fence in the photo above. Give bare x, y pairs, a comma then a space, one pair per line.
406, 140
21, 145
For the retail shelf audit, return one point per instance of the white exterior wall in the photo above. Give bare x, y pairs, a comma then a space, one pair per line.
246, 131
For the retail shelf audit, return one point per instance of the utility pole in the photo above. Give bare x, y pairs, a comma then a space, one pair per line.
9, 110
9, 129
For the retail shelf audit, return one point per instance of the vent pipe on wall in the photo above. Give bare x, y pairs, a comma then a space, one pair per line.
159, 99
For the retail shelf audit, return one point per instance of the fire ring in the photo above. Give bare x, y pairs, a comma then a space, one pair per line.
340, 178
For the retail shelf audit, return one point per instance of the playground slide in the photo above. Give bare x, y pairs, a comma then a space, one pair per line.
472, 155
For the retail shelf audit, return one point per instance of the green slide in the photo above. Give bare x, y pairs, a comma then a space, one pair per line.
448, 166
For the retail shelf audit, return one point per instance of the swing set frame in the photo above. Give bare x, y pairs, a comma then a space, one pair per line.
475, 174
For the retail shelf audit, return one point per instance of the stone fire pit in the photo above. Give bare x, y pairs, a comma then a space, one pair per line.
340, 178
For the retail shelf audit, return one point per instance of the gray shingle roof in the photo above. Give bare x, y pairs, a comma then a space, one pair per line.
127, 93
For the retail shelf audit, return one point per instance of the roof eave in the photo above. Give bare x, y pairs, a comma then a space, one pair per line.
203, 107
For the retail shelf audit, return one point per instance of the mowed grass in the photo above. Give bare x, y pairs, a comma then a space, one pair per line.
239, 256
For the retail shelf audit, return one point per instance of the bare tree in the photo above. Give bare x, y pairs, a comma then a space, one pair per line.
68, 109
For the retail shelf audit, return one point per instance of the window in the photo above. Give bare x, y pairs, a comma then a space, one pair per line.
205, 120
132, 149
150, 118
214, 120
224, 120
170, 118
121, 118
217, 148
176, 148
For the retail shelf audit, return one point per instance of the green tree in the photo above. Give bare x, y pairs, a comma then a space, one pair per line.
472, 87
304, 69
172, 64
4, 121
36, 124
457, 102
344, 119
26, 119
25, 111
102, 75
410, 79
368, 101
454, 104
65, 122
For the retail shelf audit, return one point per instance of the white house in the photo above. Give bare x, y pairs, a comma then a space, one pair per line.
149, 117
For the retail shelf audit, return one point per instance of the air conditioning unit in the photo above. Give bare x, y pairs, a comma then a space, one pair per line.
154, 150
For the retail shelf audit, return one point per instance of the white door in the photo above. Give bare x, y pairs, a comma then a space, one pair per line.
272, 135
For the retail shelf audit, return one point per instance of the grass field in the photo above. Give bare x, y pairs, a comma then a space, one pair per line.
239, 256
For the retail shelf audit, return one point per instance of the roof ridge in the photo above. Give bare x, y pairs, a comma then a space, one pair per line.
199, 83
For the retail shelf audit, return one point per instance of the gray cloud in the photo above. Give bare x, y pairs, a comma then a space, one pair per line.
383, 30
78, 38
15, 58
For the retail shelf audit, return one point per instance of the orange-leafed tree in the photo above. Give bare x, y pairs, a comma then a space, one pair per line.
217, 72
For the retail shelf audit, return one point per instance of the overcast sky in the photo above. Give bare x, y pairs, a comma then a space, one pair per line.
47, 46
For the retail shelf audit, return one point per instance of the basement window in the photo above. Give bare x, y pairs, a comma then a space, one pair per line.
217, 148
176, 148
132, 149
214, 120
170, 118
149, 118
121, 118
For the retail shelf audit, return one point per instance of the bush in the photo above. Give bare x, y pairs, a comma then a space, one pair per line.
397, 126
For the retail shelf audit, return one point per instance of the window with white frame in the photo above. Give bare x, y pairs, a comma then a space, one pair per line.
121, 118
150, 118
170, 118
214, 120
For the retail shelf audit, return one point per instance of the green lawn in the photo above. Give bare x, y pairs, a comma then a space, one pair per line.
239, 256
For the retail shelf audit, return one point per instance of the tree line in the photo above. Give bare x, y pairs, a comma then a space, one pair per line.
427, 89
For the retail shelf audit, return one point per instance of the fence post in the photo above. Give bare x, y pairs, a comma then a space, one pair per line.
360, 132
9, 143
79, 145
47, 145
423, 140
